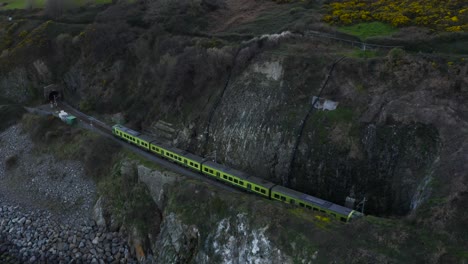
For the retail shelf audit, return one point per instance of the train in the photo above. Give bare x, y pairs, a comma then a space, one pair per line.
234, 177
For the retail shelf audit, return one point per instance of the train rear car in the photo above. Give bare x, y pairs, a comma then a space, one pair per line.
290, 196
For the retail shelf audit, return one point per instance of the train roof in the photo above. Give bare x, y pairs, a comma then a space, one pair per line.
127, 130
341, 209
146, 138
261, 182
186, 154
226, 169
313, 200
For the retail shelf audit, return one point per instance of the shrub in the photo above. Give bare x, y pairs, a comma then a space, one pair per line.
396, 54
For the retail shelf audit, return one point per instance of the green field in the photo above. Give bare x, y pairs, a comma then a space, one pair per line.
21, 4
366, 30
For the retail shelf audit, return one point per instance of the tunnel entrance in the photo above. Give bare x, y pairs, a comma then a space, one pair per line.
54, 95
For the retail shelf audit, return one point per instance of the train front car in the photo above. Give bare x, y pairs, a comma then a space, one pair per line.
131, 136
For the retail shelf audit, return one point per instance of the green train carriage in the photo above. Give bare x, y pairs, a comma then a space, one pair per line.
235, 177
132, 136
178, 156
290, 196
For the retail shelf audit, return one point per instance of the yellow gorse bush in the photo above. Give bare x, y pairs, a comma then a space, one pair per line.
446, 15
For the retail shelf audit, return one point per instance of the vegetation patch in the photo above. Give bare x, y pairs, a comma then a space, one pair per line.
443, 15
364, 54
9, 115
369, 29
66, 142
22, 4
130, 200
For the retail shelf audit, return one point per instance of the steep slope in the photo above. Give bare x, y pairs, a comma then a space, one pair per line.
396, 138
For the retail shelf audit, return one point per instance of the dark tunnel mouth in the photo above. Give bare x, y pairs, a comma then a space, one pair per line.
52, 94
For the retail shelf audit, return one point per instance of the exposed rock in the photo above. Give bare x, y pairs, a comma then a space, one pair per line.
157, 182
98, 213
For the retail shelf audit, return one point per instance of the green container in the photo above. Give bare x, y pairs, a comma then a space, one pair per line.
70, 120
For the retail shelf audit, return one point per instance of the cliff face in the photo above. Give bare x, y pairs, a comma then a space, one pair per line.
396, 115
397, 136
201, 224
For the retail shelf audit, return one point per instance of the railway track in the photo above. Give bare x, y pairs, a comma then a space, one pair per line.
105, 130
85, 118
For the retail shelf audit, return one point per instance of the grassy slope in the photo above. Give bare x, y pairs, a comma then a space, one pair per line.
21, 4
366, 30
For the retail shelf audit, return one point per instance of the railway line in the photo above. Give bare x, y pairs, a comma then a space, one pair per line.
91, 123
201, 168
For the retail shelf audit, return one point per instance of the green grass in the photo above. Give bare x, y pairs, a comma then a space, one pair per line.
363, 54
142, 160
367, 30
21, 4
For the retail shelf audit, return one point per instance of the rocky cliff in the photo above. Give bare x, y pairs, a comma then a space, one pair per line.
396, 135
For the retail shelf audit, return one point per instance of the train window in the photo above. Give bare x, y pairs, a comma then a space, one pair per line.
308, 207
292, 201
230, 178
217, 174
225, 177
191, 163
276, 196
257, 189
301, 204
323, 211
211, 171
249, 186
283, 198
334, 215
343, 219
236, 181
241, 182
205, 169
196, 165
316, 209
263, 191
